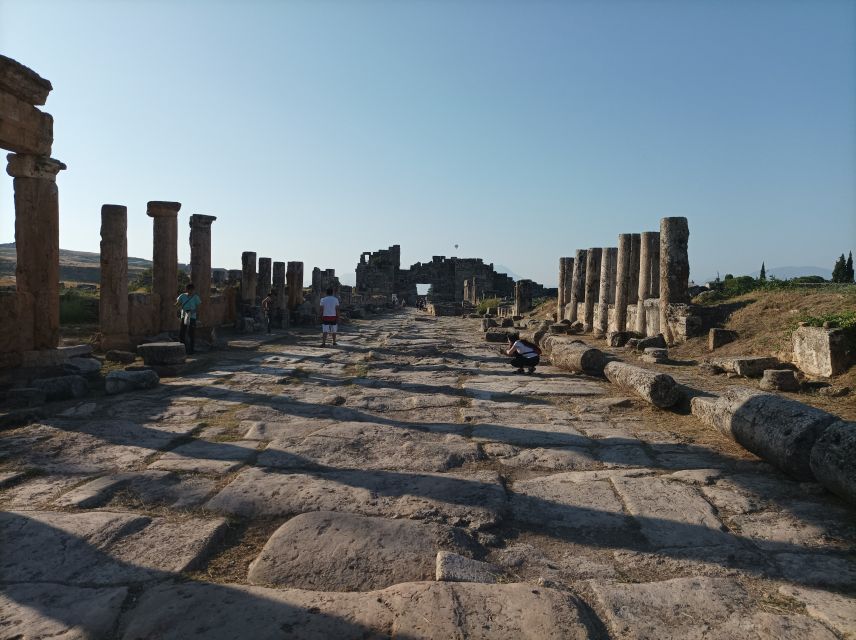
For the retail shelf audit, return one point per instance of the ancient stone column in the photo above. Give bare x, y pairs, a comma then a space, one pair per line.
200, 264
578, 283
248, 278
263, 286
654, 250
644, 288
566, 273
560, 299
164, 262
37, 241
606, 296
592, 286
281, 303
522, 296
294, 280
622, 282
113, 295
674, 269
633, 287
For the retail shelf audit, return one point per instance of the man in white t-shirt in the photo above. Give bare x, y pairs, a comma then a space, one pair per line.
329, 317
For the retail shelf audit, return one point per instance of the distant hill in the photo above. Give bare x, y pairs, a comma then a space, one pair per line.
74, 266
782, 273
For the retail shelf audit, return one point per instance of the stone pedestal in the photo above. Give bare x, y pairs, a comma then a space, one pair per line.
263, 286
200, 264
674, 269
592, 286
564, 288
37, 241
164, 262
248, 278
578, 283
294, 281
281, 303
606, 296
113, 296
646, 265
622, 281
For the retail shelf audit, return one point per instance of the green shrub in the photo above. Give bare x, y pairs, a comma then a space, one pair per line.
840, 319
78, 308
487, 303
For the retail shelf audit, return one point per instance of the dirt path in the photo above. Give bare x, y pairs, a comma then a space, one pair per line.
295, 491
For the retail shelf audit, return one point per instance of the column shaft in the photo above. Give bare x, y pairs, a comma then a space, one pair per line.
264, 285
200, 264
592, 285
248, 278
622, 281
164, 262
674, 269
644, 288
578, 283
606, 296
294, 279
113, 294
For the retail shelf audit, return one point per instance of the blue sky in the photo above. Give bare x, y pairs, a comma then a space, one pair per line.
518, 130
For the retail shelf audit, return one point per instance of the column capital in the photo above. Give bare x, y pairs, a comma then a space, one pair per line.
114, 209
199, 220
162, 209
25, 165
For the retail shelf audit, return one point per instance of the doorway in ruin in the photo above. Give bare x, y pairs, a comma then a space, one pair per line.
423, 293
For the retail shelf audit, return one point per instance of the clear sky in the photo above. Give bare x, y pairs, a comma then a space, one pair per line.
519, 131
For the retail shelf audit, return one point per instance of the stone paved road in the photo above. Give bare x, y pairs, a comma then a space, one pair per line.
291, 491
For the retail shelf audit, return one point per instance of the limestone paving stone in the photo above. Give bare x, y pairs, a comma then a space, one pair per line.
364, 445
817, 569
836, 610
50, 610
531, 435
476, 500
557, 459
671, 514
205, 456
330, 551
151, 487
36, 492
410, 610
798, 524
452, 567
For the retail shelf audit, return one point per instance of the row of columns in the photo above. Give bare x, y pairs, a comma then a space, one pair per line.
113, 299
643, 266
285, 280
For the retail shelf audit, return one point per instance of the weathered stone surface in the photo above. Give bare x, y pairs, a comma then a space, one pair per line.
570, 501
554, 459
671, 514
332, 551
746, 366
718, 337
476, 500
366, 445
496, 335
24, 128
410, 610
122, 381
99, 547
674, 269
113, 293
836, 610
200, 263
452, 567
62, 387
592, 285
82, 366
23, 82
696, 608
578, 285
817, 569
25, 397
50, 610
659, 389
531, 435
117, 355
658, 342
162, 353
618, 338
204, 456
779, 380
780, 430
820, 352
833, 459
164, 263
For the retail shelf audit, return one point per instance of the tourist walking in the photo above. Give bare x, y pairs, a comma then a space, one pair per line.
267, 309
188, 303
329, 317
524, 354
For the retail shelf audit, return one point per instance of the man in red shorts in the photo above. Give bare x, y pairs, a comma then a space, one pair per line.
329, 317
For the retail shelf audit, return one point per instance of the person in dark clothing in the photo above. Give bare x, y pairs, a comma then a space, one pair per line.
525, 356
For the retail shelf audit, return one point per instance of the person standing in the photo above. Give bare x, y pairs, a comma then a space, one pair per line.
188, 304
329, 317
267, 309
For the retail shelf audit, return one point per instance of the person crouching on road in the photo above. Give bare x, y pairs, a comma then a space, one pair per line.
524, 354
329, 317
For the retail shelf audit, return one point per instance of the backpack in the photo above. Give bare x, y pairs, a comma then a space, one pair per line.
532, 345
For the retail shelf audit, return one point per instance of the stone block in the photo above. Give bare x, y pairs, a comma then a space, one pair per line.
658, 353
162, 353
122, 381
833, 459
718, 337
116, 355
745, 366
779, 430
506, 322
657, 341
451, 567
779, 380
820, 352
487, 323
659, 389
25, 397
618, 338
83, 366
23, 128
496, 335
62, 387
54, 357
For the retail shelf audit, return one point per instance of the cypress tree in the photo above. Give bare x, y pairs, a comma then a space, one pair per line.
848, 268
838, 269
763, 275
